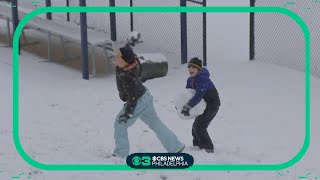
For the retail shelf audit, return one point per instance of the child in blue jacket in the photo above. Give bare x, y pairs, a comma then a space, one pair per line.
200, 81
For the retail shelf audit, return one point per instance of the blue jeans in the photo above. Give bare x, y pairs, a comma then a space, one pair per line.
146, 112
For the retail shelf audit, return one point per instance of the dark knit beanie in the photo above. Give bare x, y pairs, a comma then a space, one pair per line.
127, 54
195, 62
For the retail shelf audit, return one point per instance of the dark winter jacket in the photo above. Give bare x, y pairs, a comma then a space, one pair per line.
130, 86
204, 89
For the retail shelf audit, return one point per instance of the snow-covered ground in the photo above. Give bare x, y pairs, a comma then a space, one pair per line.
67, 120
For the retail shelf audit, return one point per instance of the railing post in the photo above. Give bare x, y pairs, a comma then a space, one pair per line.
183, 28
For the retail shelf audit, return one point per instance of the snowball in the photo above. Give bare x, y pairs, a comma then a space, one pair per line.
182, 98
133, 38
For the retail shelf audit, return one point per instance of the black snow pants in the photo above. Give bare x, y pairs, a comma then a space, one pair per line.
200, 134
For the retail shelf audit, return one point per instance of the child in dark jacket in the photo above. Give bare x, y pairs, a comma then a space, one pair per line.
200, 81
138, 104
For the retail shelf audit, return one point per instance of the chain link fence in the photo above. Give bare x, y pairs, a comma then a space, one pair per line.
279, 39
161, 32
195, 32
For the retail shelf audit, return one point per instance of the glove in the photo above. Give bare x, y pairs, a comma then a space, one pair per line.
185, 110
123, 118
123, 97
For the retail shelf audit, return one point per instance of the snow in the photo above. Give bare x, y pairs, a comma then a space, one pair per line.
59, 27
151, 57
67, 120
68, 30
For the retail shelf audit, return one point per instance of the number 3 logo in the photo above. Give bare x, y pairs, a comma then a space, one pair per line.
146, 161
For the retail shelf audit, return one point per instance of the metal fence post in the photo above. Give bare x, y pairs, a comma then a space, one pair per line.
68, 14
113, 24
183, 28
252, 40
204, 26
48, 4
84, 42
15, 17
131, 17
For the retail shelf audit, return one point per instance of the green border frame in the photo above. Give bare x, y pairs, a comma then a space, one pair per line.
166, 9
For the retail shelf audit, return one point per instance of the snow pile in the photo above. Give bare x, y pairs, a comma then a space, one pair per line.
151, 57
182, 98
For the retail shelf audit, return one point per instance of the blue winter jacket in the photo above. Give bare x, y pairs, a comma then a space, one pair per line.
201, 83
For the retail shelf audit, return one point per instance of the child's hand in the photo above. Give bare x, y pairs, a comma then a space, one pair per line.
123, 119
185, 110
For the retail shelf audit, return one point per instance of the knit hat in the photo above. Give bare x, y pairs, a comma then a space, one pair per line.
127, 54
195, 62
